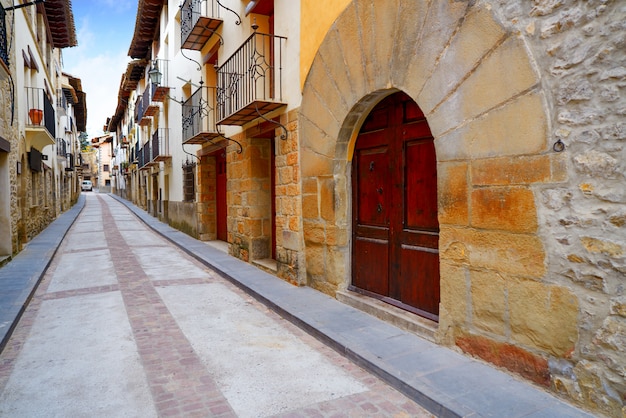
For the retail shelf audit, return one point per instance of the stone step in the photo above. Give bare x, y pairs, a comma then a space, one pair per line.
402, 319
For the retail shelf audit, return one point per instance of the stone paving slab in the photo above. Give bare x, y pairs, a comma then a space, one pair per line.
19, 278
443, 381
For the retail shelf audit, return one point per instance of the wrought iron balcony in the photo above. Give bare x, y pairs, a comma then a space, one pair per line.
61, 147
40, 118
249, 83
158, 148
62, 104
199, 19
144, 156
199, 117
70, 162
139, 109
150, 108
159, 80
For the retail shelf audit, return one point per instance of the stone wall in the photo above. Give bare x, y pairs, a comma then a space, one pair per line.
207, 211
182, 216
289, 240
532, 244
248, 197
8, 130
580, 48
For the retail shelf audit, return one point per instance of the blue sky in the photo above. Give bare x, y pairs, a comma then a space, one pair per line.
104, 29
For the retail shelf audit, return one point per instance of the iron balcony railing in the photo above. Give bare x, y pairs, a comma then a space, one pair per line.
4, 52
138, 109
39, 110
249, 83
199, 116
160, 149
148, 107
62, 104
61, 147
70, 162
144, 155
159, 88
199, 19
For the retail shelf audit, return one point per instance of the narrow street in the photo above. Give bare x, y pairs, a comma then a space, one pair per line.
125, 324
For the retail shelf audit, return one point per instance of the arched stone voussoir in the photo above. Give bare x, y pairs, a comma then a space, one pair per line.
519, 127
478, 34
323, 95
440, 24
406, 38
316, 138
333, 59
318, 114
488, 87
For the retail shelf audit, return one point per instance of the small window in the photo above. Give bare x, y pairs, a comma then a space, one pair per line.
105, 167
189, 183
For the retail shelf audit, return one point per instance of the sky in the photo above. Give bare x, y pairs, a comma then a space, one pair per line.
104, 29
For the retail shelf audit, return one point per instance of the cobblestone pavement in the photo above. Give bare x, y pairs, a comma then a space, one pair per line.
126, 324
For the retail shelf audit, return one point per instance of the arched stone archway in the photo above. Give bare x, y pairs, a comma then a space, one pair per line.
482, 97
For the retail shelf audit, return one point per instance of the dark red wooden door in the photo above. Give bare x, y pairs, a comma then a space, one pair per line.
220, 195
395, 252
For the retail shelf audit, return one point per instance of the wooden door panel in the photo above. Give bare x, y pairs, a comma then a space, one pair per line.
370, 265
421, 186
426, 239
415, 130
419, 286
372, 186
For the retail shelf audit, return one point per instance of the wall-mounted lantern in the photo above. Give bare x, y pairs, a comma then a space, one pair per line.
154, 74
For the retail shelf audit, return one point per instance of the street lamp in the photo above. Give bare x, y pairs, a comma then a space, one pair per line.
154, 74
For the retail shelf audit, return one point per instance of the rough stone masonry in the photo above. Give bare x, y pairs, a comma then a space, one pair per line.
580, 48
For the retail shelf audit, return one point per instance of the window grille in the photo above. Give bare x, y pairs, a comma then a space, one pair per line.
189, 181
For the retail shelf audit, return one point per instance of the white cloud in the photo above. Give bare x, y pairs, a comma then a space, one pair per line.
100, 76
100, 72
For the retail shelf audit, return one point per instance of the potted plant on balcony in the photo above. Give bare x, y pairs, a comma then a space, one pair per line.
35, 115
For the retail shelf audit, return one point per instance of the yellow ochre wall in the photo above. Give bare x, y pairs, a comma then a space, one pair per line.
317, 16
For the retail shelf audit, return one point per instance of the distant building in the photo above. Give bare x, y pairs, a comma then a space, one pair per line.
104, 158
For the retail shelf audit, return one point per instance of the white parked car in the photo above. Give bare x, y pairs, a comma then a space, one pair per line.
86, 185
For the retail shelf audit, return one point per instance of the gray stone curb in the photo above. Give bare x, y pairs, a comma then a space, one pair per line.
20, 277
441, 380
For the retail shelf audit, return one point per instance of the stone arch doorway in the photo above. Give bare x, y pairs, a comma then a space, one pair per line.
395, 230
481, 94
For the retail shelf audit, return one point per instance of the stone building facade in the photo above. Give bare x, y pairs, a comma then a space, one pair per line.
39, 124
500, 125
525, 102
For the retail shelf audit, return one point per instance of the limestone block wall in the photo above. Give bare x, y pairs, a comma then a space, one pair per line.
248, 196
532, 246
206, 209
289, 239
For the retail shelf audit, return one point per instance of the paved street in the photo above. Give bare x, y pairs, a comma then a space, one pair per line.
125, 324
